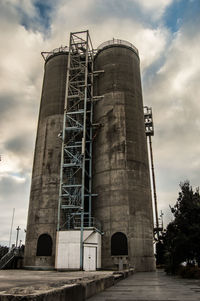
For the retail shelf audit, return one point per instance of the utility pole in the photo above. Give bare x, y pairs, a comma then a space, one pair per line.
18, 229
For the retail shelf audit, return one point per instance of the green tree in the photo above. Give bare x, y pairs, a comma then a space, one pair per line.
160, 252
182, 238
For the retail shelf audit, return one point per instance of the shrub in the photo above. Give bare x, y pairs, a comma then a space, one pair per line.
192, 272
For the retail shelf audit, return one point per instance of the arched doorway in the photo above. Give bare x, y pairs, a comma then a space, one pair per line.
44, 245
119, 244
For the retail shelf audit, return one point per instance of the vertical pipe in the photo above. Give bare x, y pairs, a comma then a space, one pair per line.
11, 228
63, 139
90, 154
154, 186
83, 148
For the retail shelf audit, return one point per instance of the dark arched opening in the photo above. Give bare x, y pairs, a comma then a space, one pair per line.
119, 245
44, 245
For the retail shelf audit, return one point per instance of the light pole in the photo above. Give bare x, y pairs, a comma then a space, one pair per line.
18, 229
11, 229
161, 216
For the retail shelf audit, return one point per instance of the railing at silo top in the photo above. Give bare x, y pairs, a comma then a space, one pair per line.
118, 42
55, 51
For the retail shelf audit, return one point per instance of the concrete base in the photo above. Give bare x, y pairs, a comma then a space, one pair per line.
39, 268
78, 287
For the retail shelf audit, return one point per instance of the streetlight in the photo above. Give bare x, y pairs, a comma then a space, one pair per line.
18, 229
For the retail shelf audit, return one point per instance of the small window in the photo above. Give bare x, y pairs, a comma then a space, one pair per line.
119, 245
44, 245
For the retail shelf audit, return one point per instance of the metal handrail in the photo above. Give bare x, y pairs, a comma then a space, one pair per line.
89, 222
118, 42
47, 54
8, 257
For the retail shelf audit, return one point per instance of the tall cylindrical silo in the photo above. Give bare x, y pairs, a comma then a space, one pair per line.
43, 206
121, 176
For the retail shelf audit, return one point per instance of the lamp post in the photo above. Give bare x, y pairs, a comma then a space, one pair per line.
11, 229
18, 229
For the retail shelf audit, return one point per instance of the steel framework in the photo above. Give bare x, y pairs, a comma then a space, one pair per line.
149, 130
75, 195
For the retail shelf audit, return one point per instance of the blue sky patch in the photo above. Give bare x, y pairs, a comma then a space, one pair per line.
41, 21
44, 9
179, 12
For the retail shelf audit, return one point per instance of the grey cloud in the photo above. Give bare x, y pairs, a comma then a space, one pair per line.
5, 104
8, 12
115, 8
27, 13
20, 144
176, 114
175, 139
14, 194
14, 186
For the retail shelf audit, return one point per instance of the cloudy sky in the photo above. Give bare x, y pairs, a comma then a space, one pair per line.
167, 34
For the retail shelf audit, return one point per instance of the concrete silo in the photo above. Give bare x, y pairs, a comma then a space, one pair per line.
121, 177
43, 206
100, 170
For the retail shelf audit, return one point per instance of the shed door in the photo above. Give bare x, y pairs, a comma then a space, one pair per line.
89, 259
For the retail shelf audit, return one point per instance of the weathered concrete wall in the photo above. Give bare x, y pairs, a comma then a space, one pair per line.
42, 216
120, 160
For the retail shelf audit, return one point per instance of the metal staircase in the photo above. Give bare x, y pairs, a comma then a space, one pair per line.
76, 158
8, 257
149, 130
75, 194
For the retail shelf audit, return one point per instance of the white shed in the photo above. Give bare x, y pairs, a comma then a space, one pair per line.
68, 250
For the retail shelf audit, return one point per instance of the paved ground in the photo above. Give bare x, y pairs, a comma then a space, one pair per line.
27, 282
150, 287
